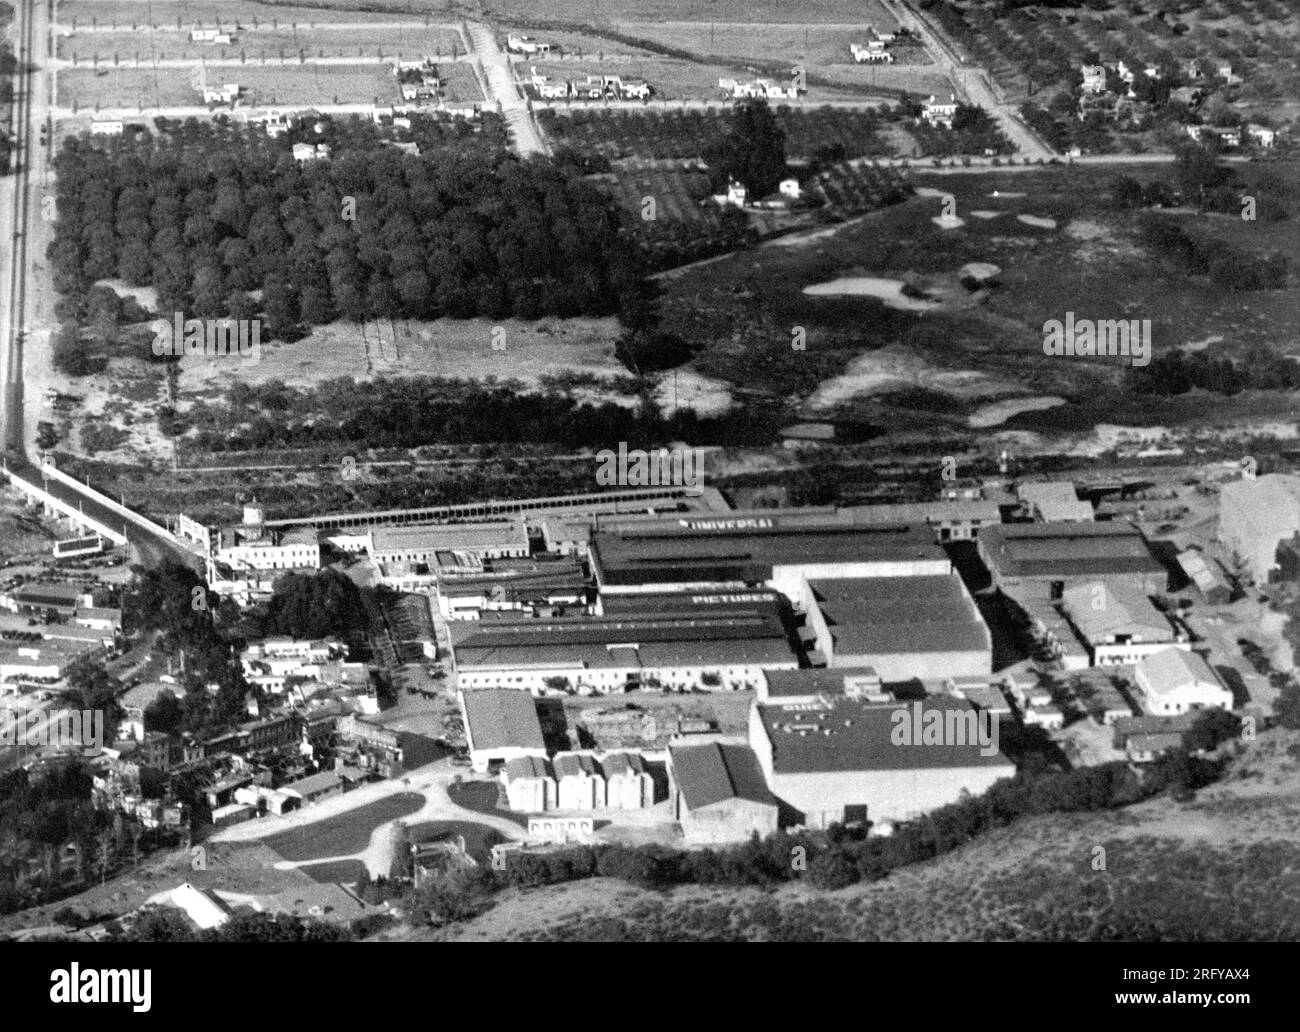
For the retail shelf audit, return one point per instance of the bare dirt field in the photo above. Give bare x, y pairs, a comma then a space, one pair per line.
447, 347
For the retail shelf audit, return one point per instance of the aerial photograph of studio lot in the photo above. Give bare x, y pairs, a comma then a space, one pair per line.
665, 471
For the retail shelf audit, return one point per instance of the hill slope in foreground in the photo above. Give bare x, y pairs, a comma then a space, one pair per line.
1225, 866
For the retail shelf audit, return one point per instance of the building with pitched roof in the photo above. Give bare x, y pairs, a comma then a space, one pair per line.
628, 784
718, 793
1207, 576
778, 550
580, 783
422, 544
1042, 559
1116, 624
1177, 681
530, 784
594, 655
500, 725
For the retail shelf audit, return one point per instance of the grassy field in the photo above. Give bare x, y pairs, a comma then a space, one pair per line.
479, 838
609, 12
291, 84
345, 834
255, 46
971, 348
345, 871
797, 44
210, 13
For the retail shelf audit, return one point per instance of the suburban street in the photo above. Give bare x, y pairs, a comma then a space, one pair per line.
971, 79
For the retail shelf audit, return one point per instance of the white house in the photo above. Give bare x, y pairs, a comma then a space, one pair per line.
225, 94
790, 188
736, 195
937, 112
1175, 681
1094, 79
1262, 135
518, 44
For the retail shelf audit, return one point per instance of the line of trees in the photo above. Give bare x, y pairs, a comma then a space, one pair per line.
835, 859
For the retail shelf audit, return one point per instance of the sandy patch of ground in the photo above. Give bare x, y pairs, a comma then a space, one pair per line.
1201, 345
464, 348
999, 412
890, 291
1036, 220
948, 221
979, 271
983, 214
1086, 229
1007, 193
930, 191
892, 368
687, 389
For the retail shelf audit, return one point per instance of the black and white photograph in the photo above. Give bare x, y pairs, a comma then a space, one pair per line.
690, 471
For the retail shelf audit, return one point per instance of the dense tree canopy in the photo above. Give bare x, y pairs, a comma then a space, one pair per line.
215, 214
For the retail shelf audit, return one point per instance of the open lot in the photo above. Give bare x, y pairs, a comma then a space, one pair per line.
271, 44
809, 45
615, 12
445, 347
291, 84
134, 14
345, 833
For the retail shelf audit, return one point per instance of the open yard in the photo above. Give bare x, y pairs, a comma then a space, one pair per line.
293, 84
614, 12
344, 834
269, 44
248, 16
814, 47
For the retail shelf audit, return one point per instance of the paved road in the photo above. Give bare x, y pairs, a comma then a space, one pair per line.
972, 79
501, 88
15, 200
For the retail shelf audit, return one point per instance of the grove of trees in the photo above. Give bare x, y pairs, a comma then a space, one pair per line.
223, 223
